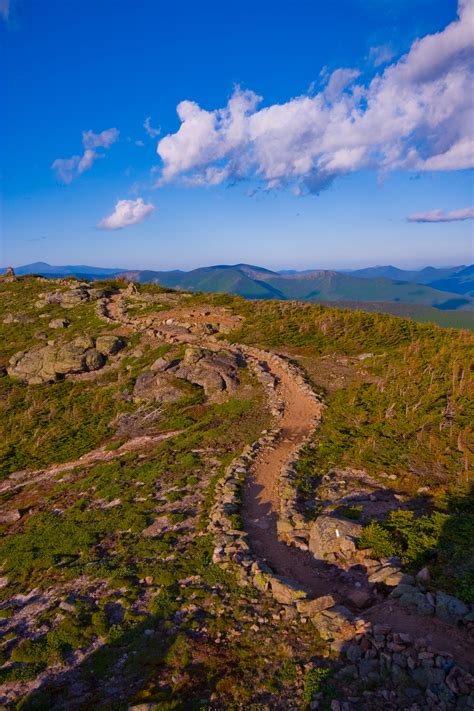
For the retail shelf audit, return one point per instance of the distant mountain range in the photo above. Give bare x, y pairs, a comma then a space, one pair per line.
446, 288
82, 271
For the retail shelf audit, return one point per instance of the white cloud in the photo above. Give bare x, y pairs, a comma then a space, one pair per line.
152, 132
67, 169
100, 140
126, 213
417, 114
381, 55
464, 213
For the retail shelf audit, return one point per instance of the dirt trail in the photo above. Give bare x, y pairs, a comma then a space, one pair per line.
18, 480
260, 507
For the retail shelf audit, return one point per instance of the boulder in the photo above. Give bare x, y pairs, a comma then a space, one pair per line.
418, 601
331, 537
286, 591
216, 373
155, 387
334, 623
74, 297
449, 608
59, 323
50, 363
94, 359
309, 608
109, 345
9, 516
360, 598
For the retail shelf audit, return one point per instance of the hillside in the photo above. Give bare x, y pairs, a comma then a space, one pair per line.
173, 466
254, 282
462, 282
452, 292
427, 275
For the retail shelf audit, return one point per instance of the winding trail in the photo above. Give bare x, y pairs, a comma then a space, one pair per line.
260, 505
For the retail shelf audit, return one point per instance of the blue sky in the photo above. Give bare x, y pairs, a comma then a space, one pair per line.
321, 172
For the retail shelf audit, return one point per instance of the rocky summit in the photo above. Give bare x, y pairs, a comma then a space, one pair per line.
208, 502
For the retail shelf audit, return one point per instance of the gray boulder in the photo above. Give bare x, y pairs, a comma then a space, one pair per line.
331, 537
155, 387
109, 345
59, 323
216, 373
449, 608
52, 362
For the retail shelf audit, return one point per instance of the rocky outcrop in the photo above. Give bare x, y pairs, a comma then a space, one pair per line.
332, 538
216, 373
52, 362
155, 387
74, 296
109, 345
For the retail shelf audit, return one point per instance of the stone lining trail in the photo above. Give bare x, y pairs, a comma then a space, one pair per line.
251, 485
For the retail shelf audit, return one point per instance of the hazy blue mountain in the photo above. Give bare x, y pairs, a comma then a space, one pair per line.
323, 285
461, 282
82, 271
452, 289
420, 276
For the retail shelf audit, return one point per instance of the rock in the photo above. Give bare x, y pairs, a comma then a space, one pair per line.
50, 363
460, 681
59, 323
308, 608
74, 297
286, 591
94, 359
158, 526
9, 272
67, 606
9, 516
396, 578
83, 341
419, 601
109, 345
427, 677
330, 535
156, 387
161, 364
360, 598
334, 623
385, 572
449, 608
216, 373
402, 589
423, 577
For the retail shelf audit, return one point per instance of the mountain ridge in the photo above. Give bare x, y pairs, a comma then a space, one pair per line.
449, 288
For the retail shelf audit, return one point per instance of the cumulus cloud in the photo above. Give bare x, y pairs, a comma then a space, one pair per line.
464, 213
126, 213
416, 114
67, 169
152, 132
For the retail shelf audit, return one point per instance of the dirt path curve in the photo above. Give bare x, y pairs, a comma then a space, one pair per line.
260, 508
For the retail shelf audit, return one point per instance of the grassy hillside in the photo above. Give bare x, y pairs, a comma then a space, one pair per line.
122, 616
